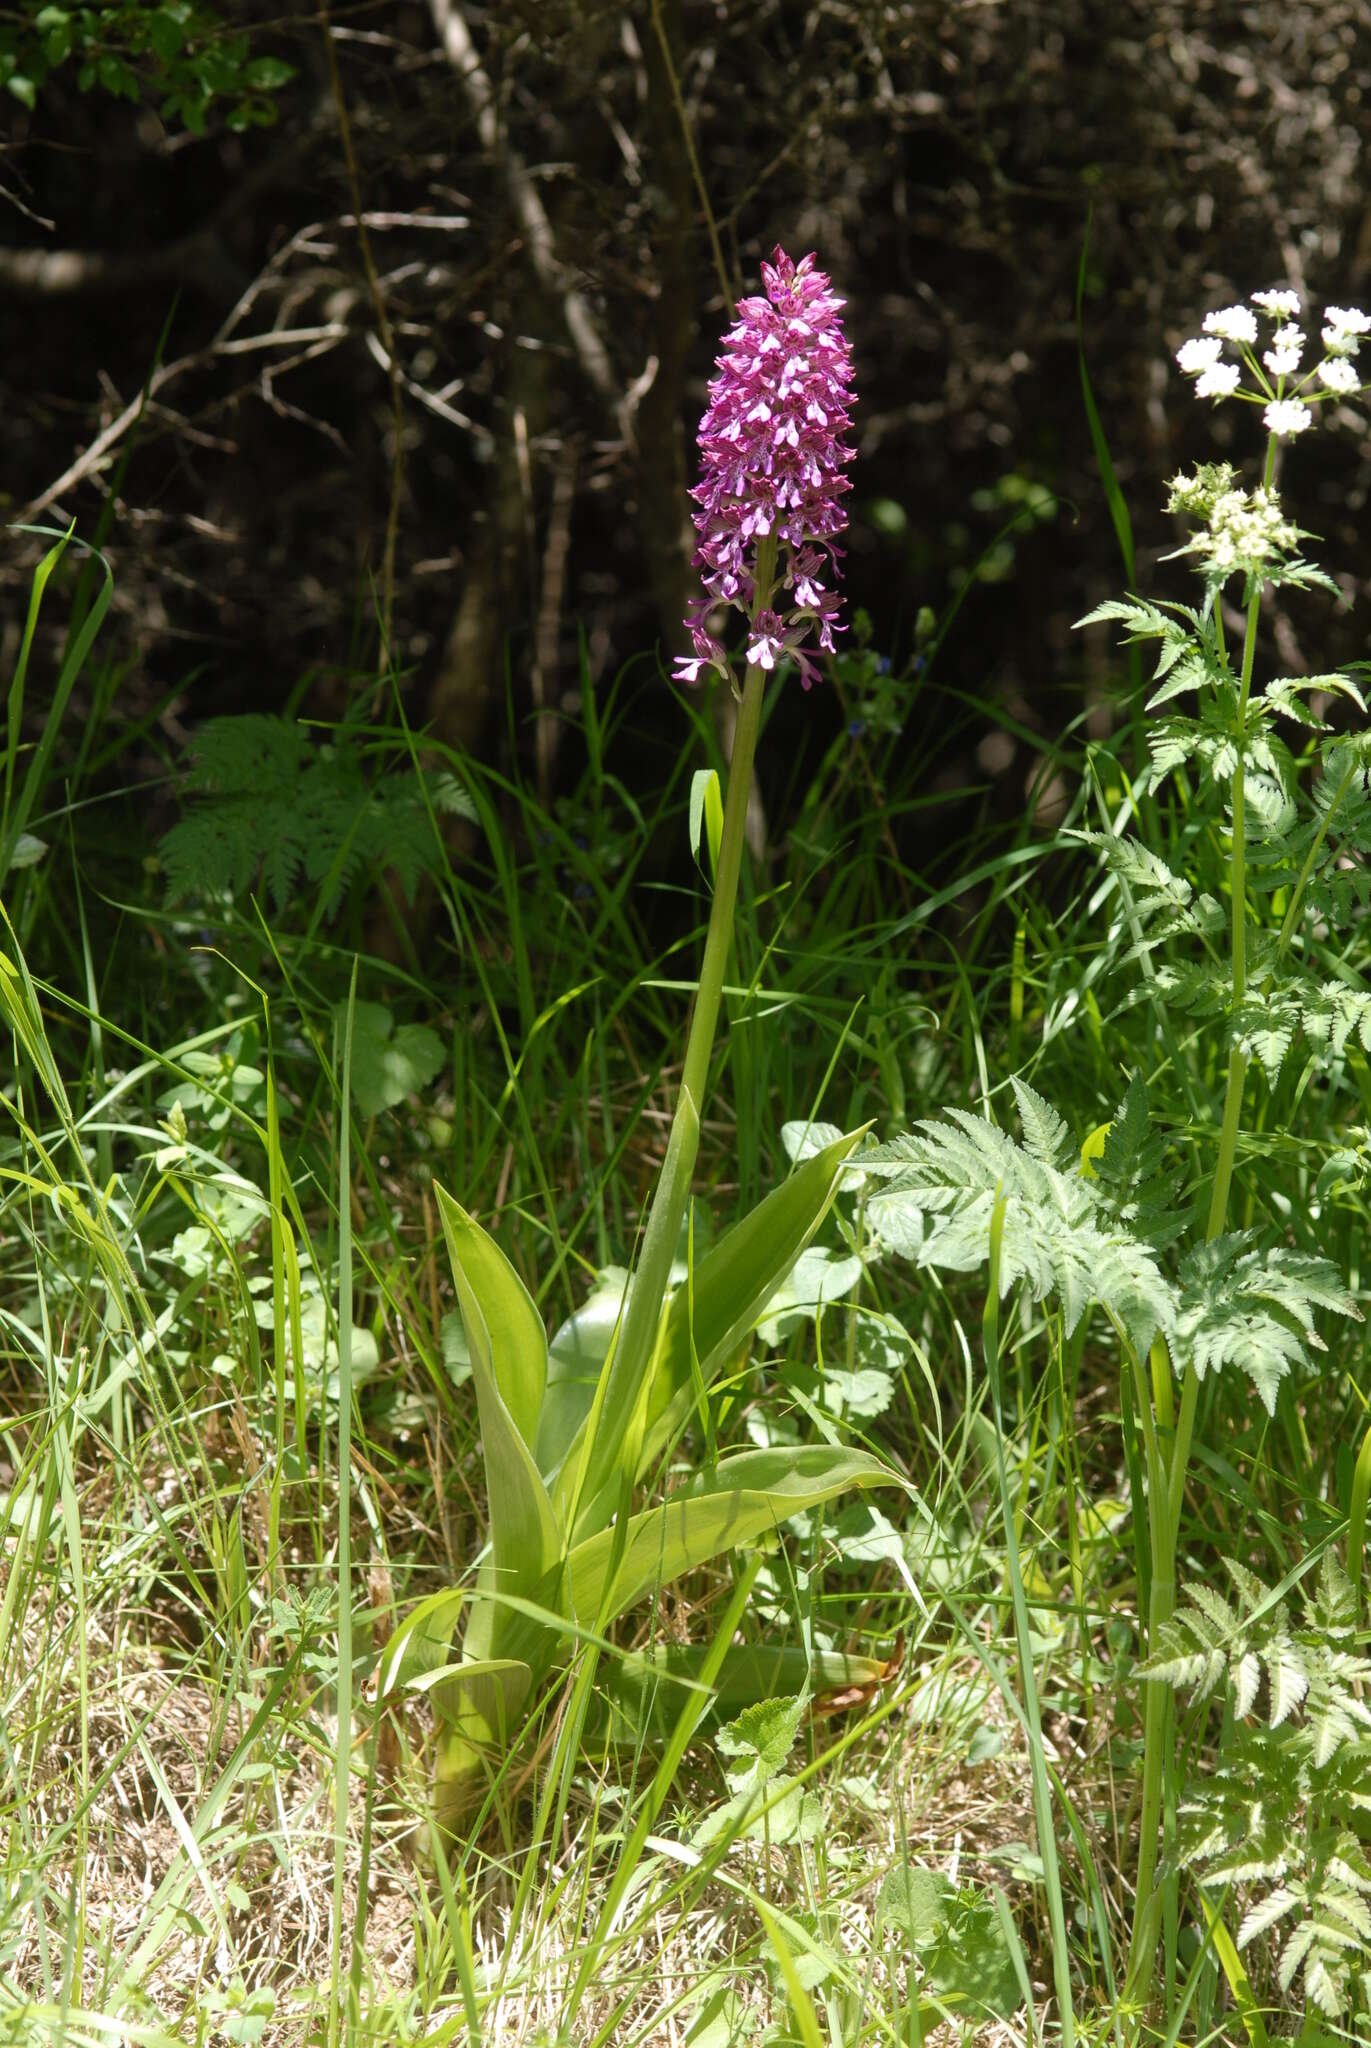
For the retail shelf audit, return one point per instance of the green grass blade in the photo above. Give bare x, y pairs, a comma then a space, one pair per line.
1042, 1790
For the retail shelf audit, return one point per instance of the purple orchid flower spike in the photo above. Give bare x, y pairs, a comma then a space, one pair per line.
773, 449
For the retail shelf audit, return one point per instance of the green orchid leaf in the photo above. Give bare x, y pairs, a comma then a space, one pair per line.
597, 1461
745, 1497
508, 1349
734, 1282
518, 1341
421, 1643
575, 1360
642, 1694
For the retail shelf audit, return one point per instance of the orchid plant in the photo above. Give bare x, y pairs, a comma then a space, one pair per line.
571, 1432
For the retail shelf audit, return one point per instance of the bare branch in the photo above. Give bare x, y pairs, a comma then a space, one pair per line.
529, 209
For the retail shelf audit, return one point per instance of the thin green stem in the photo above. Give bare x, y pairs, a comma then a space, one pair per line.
610, 1427
1166, 1500
704, 1017
1042, 1789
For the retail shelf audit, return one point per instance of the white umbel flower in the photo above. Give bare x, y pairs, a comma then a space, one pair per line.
1197, 355
1232, 323
1343, 327
1286, 416
1220, 380
1337, 374
1282, 362
1277, 302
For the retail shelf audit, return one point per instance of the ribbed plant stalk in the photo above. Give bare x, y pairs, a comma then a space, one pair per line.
1166, 1496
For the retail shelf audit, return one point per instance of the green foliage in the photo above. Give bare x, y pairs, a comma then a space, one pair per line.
1095, 1232
562, 1546
389, 1064
764, 1804
1254, 1310
1283, 1814
960, 1940
271, 804
759, 1741
1063, 1235
178, 52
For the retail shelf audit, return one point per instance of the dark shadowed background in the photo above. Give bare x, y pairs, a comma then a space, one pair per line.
477, 416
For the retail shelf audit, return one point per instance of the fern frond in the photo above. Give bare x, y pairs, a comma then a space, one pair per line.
1254, 1310
1060, 1235
271, 802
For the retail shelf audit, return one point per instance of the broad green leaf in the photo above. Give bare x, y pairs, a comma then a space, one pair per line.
972, 1965
420, 1643
591, 1464
957, 1936
28, 850
644, 1693
575, 1360
818, 1277
803, 1140
746, 1496
267, 74
483, 1695
734, 1282
515, 1328
720, 2021
580, 1346
915, 1900
458, 1675
508, 1348
759, 1740
783, 1810
388, 1065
